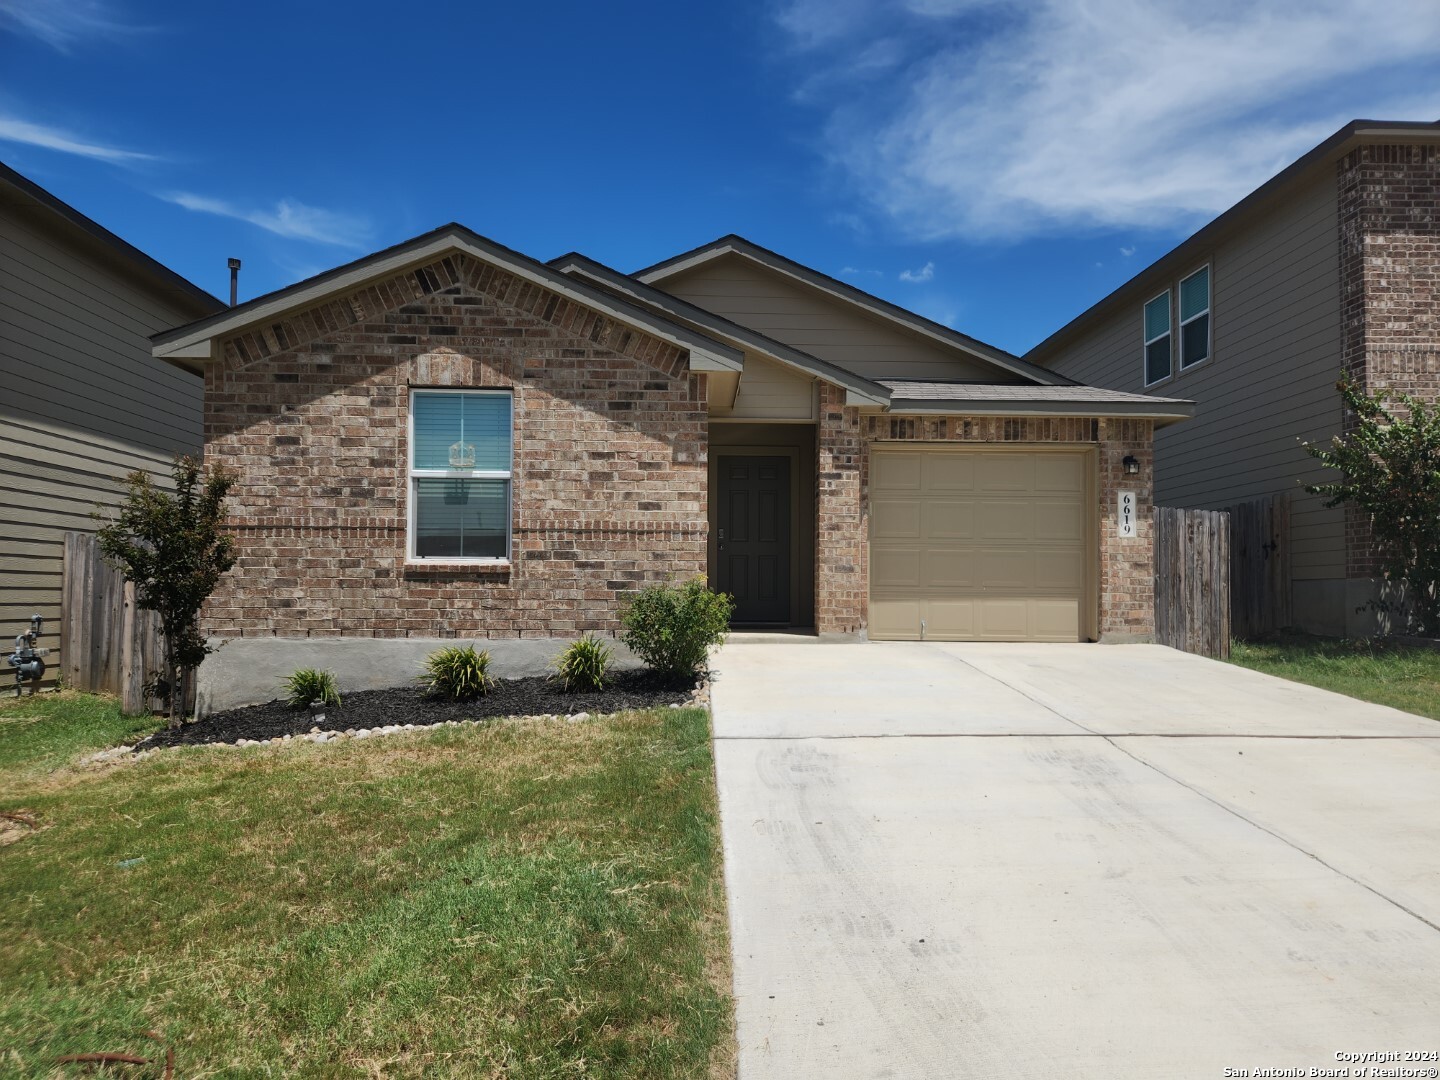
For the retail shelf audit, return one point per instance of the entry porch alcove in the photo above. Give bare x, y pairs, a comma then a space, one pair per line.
762, 521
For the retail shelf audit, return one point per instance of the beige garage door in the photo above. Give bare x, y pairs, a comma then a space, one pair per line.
978, 545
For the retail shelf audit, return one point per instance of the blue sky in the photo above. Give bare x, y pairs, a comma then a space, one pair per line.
996, 166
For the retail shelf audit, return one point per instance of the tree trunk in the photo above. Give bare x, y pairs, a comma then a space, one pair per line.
171, 681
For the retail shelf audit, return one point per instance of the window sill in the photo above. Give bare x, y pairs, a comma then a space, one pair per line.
439, 566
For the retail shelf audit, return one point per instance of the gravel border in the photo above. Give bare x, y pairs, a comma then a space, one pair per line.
366, 713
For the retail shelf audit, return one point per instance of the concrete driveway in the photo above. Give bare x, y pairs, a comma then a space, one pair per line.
1070, 861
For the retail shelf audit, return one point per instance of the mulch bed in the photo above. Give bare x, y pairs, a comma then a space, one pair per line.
535, 696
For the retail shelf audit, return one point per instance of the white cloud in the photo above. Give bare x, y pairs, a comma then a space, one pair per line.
1008, 120
291, 219
1128, 251
52, 138
925, 273
61, 23
855, 271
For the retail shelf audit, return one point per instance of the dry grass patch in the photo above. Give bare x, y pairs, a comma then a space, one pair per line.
514, 900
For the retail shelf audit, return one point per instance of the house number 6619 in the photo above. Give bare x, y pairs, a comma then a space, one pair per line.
1125, 514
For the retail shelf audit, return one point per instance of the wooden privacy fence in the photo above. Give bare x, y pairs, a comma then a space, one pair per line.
107, 644
1192, 580
1260, 566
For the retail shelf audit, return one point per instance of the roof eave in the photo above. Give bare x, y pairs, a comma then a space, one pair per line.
1169, 413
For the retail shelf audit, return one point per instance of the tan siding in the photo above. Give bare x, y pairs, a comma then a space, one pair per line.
85, 404
1268, 386
820, 325
771, 391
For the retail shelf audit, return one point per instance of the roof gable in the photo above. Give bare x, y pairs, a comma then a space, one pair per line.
692, 266
864, 389
190, 346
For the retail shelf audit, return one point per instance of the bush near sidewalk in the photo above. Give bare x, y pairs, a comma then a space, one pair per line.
673, 627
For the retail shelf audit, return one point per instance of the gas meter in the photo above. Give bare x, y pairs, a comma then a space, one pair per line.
26, 658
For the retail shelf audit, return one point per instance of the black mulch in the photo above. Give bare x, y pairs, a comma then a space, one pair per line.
634, 689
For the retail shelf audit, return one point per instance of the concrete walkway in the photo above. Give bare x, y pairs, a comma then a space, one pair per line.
1069, 861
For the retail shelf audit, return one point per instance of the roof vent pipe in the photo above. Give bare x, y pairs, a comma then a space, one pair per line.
234, 281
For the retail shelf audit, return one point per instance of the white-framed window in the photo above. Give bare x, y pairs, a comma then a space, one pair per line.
1195, 317
461, 451
1158, 362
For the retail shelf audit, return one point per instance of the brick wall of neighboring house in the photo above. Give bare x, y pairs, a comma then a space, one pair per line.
609, 461
1127, 576
1389, 218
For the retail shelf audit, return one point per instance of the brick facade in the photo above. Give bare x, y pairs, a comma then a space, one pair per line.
609, 476
1389, 220
1126, 587
842, 518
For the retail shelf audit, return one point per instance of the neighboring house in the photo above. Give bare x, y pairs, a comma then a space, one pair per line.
448, 438
1332, 265
84, 402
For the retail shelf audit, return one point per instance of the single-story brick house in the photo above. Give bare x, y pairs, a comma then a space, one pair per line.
450, 439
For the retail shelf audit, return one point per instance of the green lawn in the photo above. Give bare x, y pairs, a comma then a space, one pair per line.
1401, 676
516, 900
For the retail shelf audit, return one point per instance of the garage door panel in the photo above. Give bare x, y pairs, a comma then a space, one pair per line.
896, 519
948, 472
895, 620
1004, 620
948, 568
1060, 571
896, 472
950, 519
1006, 568
1005, 472
979, 545
895, 567
1006, 519
1059, 472
1058, 520
949, 619
1055, 620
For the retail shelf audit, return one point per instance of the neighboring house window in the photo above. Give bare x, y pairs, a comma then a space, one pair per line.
1195, 317
460, 452
1157, 338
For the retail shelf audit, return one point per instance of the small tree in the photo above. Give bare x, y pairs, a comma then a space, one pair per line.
1390, 470
172, 548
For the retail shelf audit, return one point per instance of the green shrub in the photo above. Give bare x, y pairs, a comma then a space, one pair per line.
583, 664
308, 685
672, 627
458, 672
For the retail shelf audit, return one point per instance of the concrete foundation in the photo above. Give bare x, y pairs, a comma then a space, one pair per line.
247, 671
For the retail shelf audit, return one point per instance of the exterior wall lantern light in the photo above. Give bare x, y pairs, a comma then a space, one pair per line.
1132, 465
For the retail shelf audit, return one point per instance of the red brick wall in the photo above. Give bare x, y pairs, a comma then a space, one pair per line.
609, 485
1127, 567
842, 518
1389, 210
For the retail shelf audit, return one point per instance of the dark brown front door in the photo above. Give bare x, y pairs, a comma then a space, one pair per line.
753, 538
